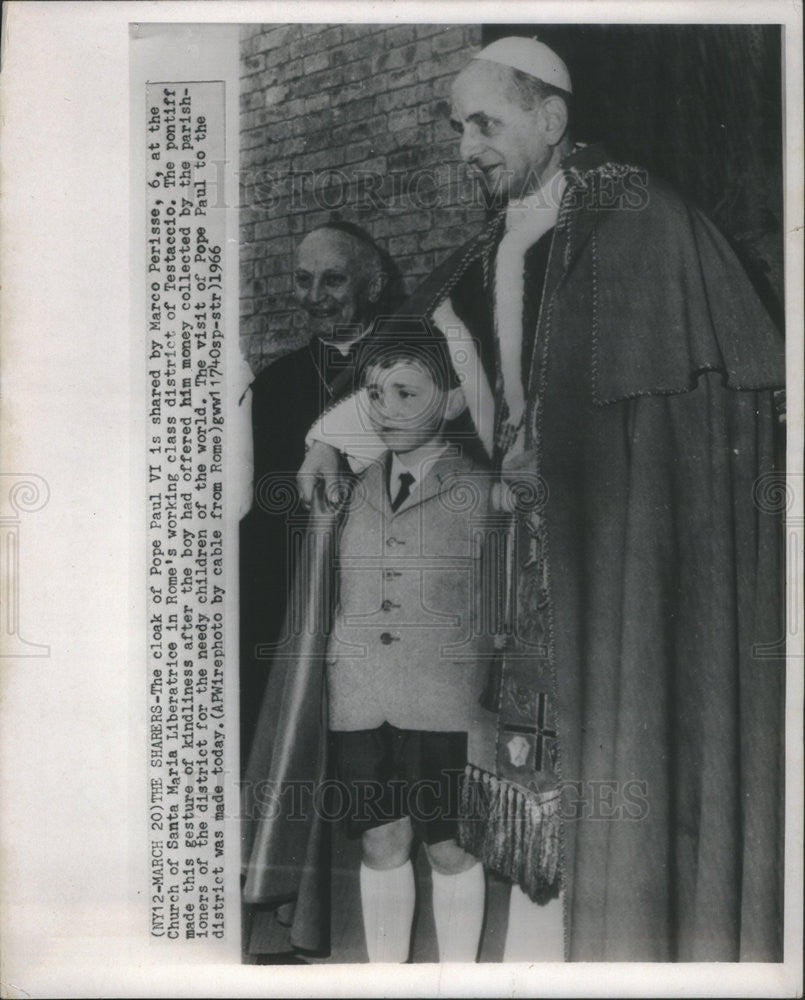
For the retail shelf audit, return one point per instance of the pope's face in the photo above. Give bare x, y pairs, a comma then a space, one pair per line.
502, 141
330, 284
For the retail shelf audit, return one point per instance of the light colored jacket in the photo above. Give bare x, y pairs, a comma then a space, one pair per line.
404, 647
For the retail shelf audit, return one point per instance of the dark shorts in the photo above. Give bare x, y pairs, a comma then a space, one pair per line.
389, 773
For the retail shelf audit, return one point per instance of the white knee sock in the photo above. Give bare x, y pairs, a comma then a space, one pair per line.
458, 909
387, 901
536, 931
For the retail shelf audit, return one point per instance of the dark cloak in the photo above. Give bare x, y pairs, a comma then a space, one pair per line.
285, 842
651, 414
289, 902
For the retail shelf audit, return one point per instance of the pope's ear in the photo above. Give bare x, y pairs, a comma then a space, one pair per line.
553, 112
456, 403
376, 285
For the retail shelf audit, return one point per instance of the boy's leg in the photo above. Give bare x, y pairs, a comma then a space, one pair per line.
365, 765
435, 763
459, 892
387, 891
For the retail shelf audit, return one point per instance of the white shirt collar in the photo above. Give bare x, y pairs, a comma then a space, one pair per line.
417, 470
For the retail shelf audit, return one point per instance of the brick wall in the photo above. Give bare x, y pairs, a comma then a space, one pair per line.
350, 119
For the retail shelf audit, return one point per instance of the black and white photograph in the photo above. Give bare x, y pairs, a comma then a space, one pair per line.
401, 560
580, 210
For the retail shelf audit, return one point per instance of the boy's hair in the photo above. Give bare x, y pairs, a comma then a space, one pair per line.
408, 339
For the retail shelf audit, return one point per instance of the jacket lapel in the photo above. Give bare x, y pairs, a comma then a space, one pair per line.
439, 476
373, 488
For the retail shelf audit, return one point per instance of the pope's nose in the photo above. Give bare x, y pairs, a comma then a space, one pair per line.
470, 144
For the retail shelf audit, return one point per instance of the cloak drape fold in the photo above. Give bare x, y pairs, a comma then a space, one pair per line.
285, 846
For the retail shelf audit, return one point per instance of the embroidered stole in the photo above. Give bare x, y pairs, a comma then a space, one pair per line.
510, 819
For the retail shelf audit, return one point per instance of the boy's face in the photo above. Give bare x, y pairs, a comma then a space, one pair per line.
406, 407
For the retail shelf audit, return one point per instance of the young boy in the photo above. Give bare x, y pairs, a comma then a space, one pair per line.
404, 663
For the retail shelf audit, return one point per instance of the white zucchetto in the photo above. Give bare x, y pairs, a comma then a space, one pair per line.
530, 56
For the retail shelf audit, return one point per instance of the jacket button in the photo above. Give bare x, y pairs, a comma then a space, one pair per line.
387, 638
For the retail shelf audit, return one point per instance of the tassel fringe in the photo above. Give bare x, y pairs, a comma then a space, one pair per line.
514, 832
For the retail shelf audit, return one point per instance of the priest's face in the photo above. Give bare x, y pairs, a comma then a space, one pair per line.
504, 142
332, 284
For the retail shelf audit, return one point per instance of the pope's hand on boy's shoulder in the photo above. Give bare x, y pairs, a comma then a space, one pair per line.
519, 487
321, 468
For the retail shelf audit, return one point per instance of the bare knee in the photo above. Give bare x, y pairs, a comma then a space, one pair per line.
387, 846
447, 858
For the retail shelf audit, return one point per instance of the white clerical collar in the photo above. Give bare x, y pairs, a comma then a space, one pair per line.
417, 469
345, 346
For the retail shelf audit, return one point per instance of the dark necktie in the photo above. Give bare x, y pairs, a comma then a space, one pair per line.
406, 479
